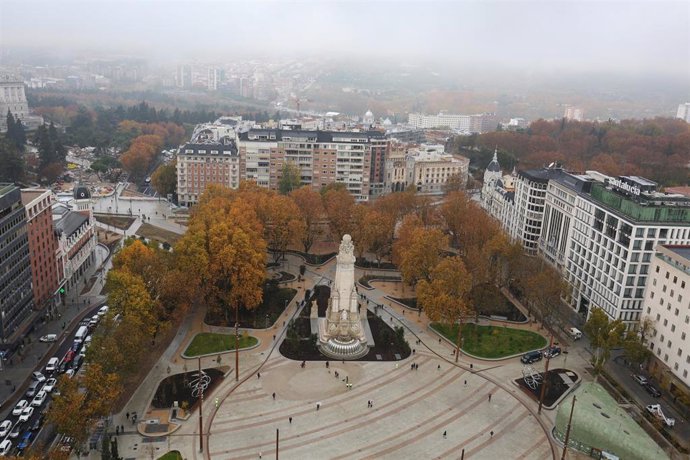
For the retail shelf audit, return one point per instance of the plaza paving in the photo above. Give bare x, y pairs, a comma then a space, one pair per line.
411, 408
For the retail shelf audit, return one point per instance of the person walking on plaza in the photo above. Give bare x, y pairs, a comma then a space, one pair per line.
445, 433
489, 397
290, 419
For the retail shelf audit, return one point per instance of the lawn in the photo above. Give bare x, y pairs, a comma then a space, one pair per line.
158, 234
492, 341
172, 455
209, 342
121, 222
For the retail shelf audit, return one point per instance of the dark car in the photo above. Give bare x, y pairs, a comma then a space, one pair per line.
652, 390
552, 352
531, 357
26, 440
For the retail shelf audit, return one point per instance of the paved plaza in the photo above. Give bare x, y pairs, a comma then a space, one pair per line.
411, 409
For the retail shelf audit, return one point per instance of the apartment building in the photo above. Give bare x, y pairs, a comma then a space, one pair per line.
428, 168
478, 123
667, 304
203, 164
46, 273
16, 294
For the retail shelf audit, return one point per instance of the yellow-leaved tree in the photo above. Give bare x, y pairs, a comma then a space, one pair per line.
445, 295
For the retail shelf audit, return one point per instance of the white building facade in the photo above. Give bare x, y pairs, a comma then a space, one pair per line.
200, 165
667, 304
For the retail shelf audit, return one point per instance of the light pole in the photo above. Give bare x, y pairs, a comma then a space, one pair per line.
567, 431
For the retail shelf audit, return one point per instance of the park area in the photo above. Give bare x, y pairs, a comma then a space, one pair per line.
492, 342
209, 342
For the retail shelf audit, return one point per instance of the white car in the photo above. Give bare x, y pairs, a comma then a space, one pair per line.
5, 447
39, 399
26, 414
48, 338
49, 385
5, 428
21, 405
102, 311
37, 376
69, 373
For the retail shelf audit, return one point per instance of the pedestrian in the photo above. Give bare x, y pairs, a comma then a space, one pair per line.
290, 419
274, 396
336, 374
412, 366
416, 367
489, 397
117, 430
327, 365
258, 375
445, 433
127, 415
274, 337
465, 382
259, 454
492, 433
122, 429
438, 367
347, 379
413, 351
318, 405
439, 340
368, 403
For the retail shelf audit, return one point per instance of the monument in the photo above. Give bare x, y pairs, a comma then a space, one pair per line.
342, 332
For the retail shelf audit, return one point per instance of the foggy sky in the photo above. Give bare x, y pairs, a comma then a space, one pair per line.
617, 36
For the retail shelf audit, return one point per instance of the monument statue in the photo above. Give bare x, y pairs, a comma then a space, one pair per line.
342, 331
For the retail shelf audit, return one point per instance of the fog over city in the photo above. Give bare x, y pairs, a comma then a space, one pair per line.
614, 37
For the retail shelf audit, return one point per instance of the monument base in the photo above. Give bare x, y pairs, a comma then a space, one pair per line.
348, 350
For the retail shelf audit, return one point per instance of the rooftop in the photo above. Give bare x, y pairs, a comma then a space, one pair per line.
70, 222
599, 422
682, 251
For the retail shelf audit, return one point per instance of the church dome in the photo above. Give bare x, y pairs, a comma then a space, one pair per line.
369, 114
494, 166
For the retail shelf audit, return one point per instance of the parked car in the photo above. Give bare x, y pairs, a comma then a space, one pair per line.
48, 338
574, 333
5, 428
652, 390
552, 352
33, 389
5, 447
531, 357
21, 405
37, 376
39, 399
69, 373
641, 379
26, 440
49, 385
36, 425
26, 414
103, 310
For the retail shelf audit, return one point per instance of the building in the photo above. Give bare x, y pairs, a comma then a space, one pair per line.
75, 226
429, 168
214, 78
573, 113
47, 275
16, 295
183, 77
498, 194
467, 124
684, 112
203, 164
380, 149
396, 167
666, 303
13, 99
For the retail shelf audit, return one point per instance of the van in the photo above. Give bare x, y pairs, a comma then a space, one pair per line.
52, 365
81, 334
531, 357
575, 333
33, 388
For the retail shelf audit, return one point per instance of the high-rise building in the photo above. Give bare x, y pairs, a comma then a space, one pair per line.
214, 77
16, 295
478, 123
684, 112
573, 113
43, 246
183, 77
666, 305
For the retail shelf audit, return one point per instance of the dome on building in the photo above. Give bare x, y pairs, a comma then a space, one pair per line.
494, 166
387, 122
369, 114
81, 192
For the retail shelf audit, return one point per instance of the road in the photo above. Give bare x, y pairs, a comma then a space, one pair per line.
39, 412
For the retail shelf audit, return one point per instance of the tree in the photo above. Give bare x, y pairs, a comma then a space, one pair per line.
339, 204
455, 183
311, 210
285, 225
64, 406
378, 229
15, 132
12, 167
290, 178
444, 297
603, 336
164, 178
419, 258
635, 343
545, 287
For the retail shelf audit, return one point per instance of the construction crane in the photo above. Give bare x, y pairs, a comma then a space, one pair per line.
297, 102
